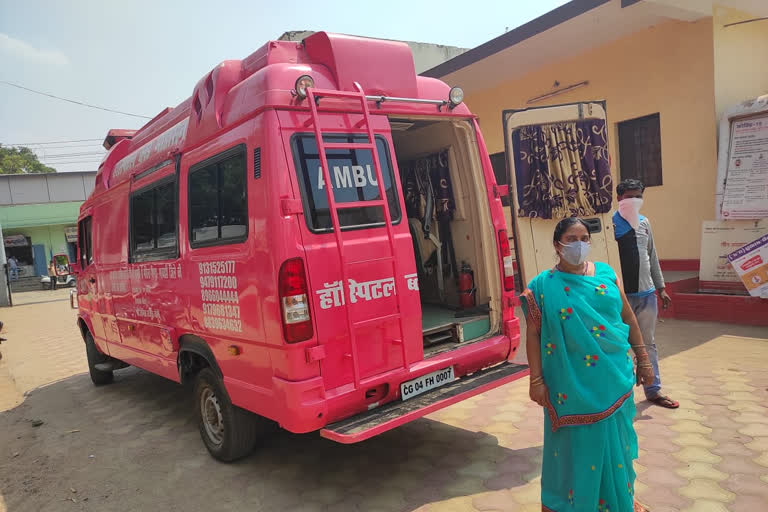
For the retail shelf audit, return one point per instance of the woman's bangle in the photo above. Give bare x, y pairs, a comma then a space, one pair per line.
535, 381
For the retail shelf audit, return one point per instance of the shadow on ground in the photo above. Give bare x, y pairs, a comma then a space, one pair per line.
674, 336
134, 445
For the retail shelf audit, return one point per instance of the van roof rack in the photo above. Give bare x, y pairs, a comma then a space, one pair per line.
381, 99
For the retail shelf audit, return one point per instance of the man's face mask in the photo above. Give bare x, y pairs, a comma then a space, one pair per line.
629, 209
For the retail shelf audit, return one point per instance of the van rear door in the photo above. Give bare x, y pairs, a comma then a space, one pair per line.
533, 235
384, 308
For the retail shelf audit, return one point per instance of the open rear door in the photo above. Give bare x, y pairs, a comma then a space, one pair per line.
533, 236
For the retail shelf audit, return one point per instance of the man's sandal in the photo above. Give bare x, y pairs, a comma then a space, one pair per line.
664, 401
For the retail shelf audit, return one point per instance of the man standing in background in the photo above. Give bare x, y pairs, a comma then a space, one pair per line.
641, 275
52, 274
13, 265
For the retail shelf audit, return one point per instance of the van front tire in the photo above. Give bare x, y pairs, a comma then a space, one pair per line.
98, 377
228, 431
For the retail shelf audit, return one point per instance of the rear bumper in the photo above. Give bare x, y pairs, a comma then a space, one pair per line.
306, 406
364, 426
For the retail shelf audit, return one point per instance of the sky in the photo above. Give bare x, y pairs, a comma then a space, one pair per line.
141, 56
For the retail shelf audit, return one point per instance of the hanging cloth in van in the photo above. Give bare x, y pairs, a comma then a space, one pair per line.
562, 169
429, 171
428, 185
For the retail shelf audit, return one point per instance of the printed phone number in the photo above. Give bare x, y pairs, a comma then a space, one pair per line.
216, 267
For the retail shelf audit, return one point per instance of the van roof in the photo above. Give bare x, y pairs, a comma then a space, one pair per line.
237, 89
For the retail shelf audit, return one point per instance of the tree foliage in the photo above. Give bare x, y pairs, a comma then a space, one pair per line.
21, 160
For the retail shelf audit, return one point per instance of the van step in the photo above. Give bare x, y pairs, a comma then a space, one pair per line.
111, 365
371, 423
439, 337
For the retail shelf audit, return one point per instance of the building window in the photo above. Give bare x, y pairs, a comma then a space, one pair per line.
84, 241
153, 222
218, 205
640, 150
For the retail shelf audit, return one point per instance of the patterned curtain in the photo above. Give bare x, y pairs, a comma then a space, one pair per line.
562, 170
430, 175
429, 171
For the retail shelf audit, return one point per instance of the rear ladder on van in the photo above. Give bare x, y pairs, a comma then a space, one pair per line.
377, 420
314, 95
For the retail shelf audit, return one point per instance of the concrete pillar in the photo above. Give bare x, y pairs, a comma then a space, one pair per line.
5, 298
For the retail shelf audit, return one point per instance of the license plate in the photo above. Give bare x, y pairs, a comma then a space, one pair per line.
426, 382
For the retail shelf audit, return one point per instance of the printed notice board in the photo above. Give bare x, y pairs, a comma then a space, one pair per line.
751, 264
746, 185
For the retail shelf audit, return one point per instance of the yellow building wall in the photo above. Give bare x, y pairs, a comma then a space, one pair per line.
667, 69
741, 51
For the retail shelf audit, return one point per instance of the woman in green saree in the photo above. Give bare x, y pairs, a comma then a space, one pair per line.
580, 331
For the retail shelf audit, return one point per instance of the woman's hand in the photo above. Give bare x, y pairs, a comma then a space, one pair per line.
645, 374
539, 393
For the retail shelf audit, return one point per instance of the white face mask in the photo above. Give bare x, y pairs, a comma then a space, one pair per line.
629, 209
575, 253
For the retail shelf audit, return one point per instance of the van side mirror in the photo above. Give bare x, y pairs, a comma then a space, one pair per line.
75, 266
61, 265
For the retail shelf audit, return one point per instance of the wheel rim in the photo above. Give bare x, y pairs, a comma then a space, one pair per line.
210, 411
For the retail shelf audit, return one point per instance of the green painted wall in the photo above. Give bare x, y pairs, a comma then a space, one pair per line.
43, 223
27, 215
52, 237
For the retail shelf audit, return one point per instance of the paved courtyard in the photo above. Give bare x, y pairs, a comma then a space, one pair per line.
134, 445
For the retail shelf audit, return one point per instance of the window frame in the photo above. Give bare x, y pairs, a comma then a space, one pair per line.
203, 164
633, 122
85, 243
158, 253
305, 197
501, 155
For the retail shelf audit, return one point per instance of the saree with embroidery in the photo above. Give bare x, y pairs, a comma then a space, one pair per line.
589, 440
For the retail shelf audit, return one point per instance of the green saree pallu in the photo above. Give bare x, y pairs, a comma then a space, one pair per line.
589, 440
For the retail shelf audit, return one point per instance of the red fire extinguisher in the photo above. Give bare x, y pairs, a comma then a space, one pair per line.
466, 286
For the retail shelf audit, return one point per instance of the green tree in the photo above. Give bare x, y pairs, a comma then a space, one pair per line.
21, 160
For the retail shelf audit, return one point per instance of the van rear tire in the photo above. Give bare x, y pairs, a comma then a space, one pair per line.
98, 377
228, 432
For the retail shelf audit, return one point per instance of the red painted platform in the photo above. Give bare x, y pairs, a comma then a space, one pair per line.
688, 304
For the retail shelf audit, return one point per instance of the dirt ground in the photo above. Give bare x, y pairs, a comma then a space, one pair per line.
134, 445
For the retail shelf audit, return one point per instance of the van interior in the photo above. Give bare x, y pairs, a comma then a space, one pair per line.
446, 206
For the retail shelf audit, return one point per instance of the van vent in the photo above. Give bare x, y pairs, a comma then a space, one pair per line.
257, 163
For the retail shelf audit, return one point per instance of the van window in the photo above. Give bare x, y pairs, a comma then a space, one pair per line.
84, 242
153, 222
218, 206
353, 179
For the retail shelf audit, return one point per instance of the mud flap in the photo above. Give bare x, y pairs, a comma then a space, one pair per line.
366, 425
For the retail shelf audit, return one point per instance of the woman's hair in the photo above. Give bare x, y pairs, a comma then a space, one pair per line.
564, 225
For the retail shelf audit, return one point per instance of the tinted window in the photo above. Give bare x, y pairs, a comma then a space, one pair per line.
84, 242
142, 226
153, 223
353, 179
165, 216
218, 207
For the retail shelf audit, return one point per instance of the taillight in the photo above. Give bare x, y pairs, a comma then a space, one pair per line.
506, 257
294, 300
